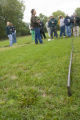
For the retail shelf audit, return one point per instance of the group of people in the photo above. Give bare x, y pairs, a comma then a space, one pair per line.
68, 26
42, 31
11, 33
36, 28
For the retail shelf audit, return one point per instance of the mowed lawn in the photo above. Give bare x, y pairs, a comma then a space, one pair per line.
33, 80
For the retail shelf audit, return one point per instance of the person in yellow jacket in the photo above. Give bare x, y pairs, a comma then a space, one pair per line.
59, 21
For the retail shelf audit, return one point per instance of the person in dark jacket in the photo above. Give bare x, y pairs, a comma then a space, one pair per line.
76, 26
42, 29
67, 22
35, 26
53, 26
13, 33
72, 24
9, 33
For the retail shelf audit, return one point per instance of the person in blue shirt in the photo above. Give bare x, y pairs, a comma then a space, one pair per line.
9, 33
67, 22
53, 26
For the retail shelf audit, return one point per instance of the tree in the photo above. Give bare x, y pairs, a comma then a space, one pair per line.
77, 11
58, 13
11, 10
44, 19
23, 29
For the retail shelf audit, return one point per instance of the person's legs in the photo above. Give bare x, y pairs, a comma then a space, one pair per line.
13, 40
54, 34
33, 34
51, 33
60, 31
64, 31
44, 35
14, 37
31, 31
36, 36
48, 31
77, 31
10, 39
39, 36
69, 31
74, 31
55, 31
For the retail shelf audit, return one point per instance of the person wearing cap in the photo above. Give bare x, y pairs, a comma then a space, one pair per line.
35, 25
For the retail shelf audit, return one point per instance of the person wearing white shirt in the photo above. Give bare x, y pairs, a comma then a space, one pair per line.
47, 27
62, 26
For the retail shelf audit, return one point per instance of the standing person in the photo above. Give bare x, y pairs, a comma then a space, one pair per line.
72, 24
53, 26
9, 33
13, 33
67, 22
47, 27
76, 26
35, 25
42, 29
32, 32
62, 26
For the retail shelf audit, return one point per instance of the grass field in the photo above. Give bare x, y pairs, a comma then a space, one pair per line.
33, 80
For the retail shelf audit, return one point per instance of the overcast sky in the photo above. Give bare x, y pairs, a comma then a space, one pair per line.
47, 7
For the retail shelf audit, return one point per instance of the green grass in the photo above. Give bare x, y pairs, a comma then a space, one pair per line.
33, 80
21, 41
